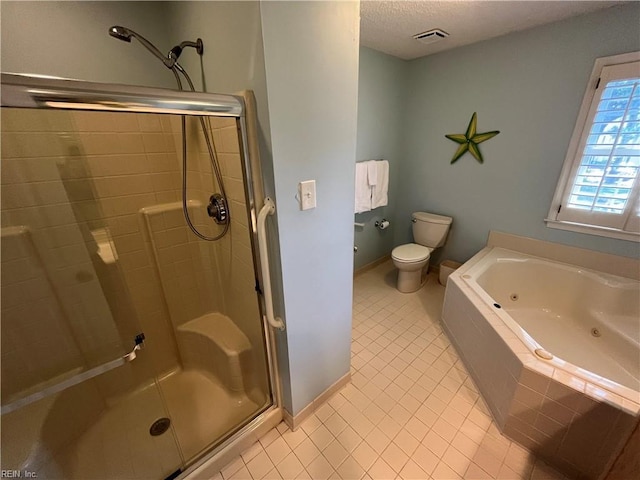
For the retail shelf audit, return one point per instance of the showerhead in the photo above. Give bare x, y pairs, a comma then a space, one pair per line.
121, 33
125, 34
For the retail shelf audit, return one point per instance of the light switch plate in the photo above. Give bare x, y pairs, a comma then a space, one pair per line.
307, 194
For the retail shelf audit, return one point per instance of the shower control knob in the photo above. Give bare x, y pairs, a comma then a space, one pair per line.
217, 209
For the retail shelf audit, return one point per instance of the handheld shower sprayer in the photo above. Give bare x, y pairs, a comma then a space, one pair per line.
125, 34
217, 208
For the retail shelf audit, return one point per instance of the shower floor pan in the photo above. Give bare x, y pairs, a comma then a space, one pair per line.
80, 434
202, 410
117, 443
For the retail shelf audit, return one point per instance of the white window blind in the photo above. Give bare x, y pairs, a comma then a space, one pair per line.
600, 185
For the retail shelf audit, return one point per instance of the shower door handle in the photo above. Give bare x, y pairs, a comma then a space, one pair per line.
76, 379
269, 208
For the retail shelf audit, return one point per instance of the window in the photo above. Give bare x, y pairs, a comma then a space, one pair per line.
599, 187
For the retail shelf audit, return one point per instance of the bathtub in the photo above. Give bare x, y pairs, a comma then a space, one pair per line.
555, 352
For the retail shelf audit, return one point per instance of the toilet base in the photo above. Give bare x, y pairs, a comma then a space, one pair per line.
411, 281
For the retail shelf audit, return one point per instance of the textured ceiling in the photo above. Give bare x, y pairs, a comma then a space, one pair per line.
388, 26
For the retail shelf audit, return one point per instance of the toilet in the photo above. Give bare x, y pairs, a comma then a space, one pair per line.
412, 259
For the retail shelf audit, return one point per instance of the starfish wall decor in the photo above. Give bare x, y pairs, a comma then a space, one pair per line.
470, 140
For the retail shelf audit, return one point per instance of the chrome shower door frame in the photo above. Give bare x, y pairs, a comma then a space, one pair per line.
44, 92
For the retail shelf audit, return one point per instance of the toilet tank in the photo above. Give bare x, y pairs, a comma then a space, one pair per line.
430, 229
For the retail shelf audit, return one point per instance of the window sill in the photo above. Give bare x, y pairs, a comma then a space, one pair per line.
593, 230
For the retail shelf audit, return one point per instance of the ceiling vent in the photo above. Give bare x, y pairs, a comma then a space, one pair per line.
431, 36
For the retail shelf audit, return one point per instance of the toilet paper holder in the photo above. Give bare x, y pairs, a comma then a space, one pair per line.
382, 224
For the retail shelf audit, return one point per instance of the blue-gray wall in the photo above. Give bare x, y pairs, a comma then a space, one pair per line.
529, 85
70, 39
311, 58
381, 114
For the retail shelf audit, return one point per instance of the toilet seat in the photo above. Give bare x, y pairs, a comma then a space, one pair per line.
410, 253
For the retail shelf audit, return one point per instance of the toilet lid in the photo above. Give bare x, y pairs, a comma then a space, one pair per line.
411, 252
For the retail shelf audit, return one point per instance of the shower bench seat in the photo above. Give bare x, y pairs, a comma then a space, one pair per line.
215, 344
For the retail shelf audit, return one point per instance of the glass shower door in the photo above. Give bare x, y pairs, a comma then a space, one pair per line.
95, 251
72, 405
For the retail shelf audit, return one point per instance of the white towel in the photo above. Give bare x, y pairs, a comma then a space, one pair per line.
363, 190
379, 197
372, 172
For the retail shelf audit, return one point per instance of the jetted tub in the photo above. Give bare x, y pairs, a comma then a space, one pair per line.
555, 351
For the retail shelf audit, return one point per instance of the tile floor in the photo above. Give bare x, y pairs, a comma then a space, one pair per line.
410, 412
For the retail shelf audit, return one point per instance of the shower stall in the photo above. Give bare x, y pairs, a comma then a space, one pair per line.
131, 348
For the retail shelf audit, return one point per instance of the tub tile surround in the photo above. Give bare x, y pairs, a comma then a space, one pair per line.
411, 411
578, 426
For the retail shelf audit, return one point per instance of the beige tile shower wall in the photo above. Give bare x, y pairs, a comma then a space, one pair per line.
37, 343
35, 149
200, 183
180, 261
133, 164
68, 173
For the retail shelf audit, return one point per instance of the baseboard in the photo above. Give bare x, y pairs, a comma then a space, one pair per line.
371, 266
295, 421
